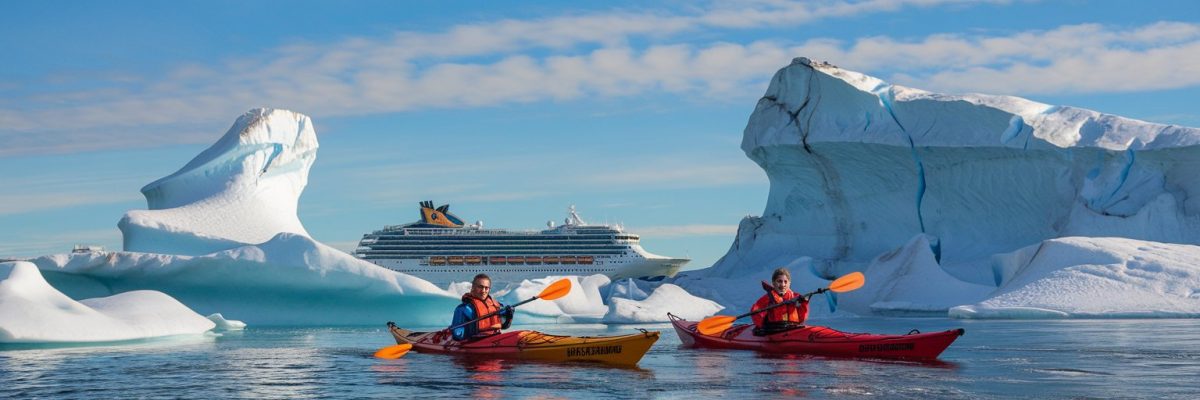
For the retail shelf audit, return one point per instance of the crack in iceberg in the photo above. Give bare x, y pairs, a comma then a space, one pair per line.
276, 150
886, 94
1124, 176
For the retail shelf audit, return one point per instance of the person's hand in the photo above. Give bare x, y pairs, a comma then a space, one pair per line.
507, 311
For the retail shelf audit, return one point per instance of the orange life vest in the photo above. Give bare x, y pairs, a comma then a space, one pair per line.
794, 313
484, 307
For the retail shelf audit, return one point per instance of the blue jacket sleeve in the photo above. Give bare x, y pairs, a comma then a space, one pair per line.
463, 313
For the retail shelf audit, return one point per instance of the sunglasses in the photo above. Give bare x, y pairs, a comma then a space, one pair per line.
482, 287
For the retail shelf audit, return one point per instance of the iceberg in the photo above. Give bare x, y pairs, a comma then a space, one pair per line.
242, 190
222, 235
288, 280
921, 190
1083, 277
31, 311
223, 324
654, 308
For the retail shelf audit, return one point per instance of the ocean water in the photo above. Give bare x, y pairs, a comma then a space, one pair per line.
995, 359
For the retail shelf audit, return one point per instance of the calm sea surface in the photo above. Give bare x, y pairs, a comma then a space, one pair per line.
996, 359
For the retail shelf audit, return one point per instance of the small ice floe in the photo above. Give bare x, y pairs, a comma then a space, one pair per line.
31, 311
226, 324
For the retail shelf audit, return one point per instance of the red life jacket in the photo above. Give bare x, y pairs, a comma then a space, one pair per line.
484, 307
793, 313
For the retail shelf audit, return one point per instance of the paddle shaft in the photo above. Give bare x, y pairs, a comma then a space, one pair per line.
795, 300
488, 315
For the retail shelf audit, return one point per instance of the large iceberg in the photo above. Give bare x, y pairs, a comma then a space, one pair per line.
922, 189
31, 311
242, 190
222, 235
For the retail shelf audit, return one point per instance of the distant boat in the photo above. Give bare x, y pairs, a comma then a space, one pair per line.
87, 248
441, 249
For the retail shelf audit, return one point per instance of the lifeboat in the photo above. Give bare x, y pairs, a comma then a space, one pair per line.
516, 260
533, 260
437, 260
454, 260
473, 260
497, 260
550, 260
567, 259
585, 260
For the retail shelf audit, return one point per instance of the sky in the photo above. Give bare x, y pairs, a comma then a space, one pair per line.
512, 111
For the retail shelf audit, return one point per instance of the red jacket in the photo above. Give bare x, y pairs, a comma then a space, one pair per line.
795, 312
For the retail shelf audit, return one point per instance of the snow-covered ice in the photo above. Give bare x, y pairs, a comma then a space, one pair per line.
1082, 277
31, 311
654, 308
222, 235
921, 190
225, 324
288, 280
243, 190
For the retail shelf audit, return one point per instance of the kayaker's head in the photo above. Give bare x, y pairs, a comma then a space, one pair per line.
781, 280
481, 286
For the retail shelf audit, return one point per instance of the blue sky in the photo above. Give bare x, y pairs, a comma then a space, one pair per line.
512, 111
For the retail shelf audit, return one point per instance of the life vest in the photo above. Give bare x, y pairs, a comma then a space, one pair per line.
794, 313
484, 307
788, 313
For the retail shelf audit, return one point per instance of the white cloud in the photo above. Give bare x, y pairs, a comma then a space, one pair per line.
1087, 58
582, 56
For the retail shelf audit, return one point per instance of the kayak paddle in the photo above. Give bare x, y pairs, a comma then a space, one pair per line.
719, 323
394, 352
556, 290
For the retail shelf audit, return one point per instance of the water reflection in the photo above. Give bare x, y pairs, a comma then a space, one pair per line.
37, 369
485, 377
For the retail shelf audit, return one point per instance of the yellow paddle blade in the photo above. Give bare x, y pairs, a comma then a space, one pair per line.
715, 324
393, 352
851, 281
557, 289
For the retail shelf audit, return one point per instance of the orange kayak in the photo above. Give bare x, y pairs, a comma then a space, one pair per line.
532, 345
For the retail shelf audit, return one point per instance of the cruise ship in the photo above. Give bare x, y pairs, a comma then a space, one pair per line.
441, 249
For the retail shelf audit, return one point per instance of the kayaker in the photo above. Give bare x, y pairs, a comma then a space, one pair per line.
479, 302
780, 318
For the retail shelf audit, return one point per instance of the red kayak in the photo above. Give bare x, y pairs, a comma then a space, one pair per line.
821, 341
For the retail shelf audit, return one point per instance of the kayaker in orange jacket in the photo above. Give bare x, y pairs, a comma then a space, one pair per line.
479, 302
780, 318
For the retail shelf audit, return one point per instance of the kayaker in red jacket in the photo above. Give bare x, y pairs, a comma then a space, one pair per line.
780, 318
479, 302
